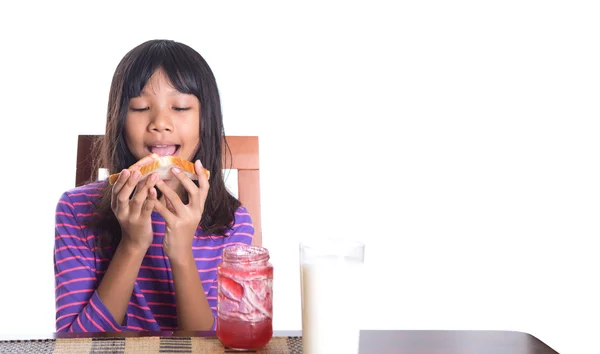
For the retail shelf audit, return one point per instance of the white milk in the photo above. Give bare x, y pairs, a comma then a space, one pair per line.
331, 305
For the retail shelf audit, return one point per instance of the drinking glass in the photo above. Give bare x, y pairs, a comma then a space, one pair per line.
331, 279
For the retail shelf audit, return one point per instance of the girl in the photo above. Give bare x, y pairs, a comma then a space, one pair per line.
143, 256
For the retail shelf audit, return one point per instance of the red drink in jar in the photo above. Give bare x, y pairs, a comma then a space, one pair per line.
245, 301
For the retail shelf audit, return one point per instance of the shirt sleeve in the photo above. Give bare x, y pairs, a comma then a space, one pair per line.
78, 307
243, 228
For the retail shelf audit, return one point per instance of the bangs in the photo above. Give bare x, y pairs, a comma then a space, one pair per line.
176, 62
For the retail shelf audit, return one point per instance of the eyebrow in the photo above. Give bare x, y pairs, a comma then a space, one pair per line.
170, 93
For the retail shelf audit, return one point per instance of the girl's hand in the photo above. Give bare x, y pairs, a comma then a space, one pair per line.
181, 220
134, 215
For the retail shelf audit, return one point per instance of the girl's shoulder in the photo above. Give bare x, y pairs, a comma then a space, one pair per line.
241, 213
83, 196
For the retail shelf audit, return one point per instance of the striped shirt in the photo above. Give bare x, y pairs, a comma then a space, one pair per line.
79, 268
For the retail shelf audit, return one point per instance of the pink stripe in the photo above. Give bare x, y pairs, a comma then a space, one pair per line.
211, 297
72, 281
85, 194
70, 304
238, 225
136, 328
71, 247
101, 314
206, 270
63, 327
91, 320
80, 325
63, 213
244, 234
70, 270
155, 256
67, 236
158, 222
87, 214
66, 203
141, 318
71, 226
81, 258
82, 203
139, 306
74, 292
77, 237
65, 316
241, 214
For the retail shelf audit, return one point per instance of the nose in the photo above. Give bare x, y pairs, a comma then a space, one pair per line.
161, 121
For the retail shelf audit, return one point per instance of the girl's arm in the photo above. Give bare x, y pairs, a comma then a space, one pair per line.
197, 309
86, 299
116, 287
78, 306
193, 310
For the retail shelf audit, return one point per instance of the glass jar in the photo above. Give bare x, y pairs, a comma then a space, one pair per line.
245, 297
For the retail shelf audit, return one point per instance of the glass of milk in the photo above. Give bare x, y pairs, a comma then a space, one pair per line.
331, 281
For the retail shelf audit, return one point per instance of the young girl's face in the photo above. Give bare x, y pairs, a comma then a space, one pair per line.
163, 120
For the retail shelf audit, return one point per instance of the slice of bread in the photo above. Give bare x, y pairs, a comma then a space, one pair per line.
162, 165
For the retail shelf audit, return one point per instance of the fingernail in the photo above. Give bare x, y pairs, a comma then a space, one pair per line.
176, 170
200, 163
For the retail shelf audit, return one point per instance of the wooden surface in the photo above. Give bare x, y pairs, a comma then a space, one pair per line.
242, 156
399, 341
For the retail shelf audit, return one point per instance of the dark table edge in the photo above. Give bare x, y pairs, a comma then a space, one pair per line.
276, 333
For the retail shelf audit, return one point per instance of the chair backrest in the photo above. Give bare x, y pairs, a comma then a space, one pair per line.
243, 158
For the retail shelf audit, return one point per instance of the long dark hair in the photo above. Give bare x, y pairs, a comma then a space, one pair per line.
189, 73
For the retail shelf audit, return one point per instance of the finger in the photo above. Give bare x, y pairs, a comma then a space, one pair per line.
203, 185
171, 196
150, 203
141, 193
144, 161
116, 188
125, 192
188, 184
164, 211
201, 172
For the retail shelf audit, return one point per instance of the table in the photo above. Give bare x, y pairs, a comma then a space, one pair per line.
284, 342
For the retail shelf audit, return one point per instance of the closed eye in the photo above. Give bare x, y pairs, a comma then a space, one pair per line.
139, 109
181, 108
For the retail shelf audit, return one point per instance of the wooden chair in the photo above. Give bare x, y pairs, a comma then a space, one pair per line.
244, 159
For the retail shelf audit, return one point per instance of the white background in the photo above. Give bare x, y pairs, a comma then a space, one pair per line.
457, 139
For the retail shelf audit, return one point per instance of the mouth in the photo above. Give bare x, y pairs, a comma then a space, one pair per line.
164, 149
